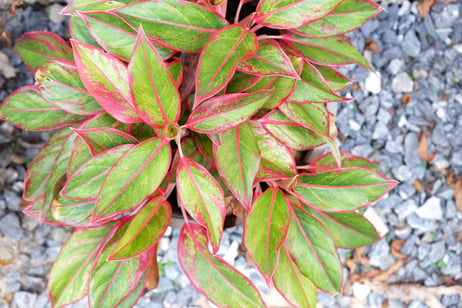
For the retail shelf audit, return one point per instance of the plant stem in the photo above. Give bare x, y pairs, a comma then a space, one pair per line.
238, 12
265, 36
256, 28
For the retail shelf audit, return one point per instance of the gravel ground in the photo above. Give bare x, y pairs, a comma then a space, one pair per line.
417, 90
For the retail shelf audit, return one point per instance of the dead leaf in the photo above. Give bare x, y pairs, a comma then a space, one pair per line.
455, 182
422, 148
445, 97
359, 256
355, 87
15, 5
385, 275
425, 6
419, 185
372, 45
406, 99
396, 247
152, 280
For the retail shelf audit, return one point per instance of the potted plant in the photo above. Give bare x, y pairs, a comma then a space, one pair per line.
209, 108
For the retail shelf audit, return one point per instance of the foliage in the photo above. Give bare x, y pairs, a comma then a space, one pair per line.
173, 106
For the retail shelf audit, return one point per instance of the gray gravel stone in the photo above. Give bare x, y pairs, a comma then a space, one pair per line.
437, 252
402, 83
9, 225
12, 200
411, 44
24, 299
431, 209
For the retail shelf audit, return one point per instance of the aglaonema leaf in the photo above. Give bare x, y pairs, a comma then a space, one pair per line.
265, 229
241, 82
178, 24
219, 59
335, 80
118, 283
291, 283
101, 139
153, 90
335, 50
144, 231
85, 182
201, 195
125, 186
314, 251
348, 230
346, 17
60, 84
342, 189
224, 112
74, 213
277, 160
346, 160
78, 31
115, 35
36, 48
27, 109
106, 78
270, 60
290, 133
71, 270
287, 14
206, 272
78, 6
238, 160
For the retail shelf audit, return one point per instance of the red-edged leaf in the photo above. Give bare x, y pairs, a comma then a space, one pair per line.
201, 195
219, 59
126, 186
27, 109
60, 84
118, 283
265, 230
86, 182
191, 150
207, 272
78, 31
77, 6
291, 283
290, 133
106, 78
101, 139
113, 34
175, 69
277, 160
181, 25
71, 270
205, 146
36, 48
336, 50
144, 231
226, 111
342, 189
348, 230
346, 159
347, 17
335, 80
241, 82
238, 160
153, 89
270, 60
287, 14
75, 213
314, 251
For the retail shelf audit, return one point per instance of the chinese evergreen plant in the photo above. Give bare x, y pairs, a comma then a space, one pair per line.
207, 108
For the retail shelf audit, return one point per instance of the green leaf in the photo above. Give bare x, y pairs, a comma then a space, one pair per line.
72, 267
342, 189
126, 186
347, 160
115, 35
348, 230
265, 229
287, 14
101, 139
27, 109
314, 251
238, 160
201, 195
77, 6
205, 146
212, 276
75, 213
313, 89
144, 231
336, 80
270, 60
219, 59
290, 133
178, 24
106, 78
347, 17
36, 48
291, 283
78, 31
224, 112
86, 181
336, 50
59, 83
277, 160
175, 69
241, 82
118, 283
153, 89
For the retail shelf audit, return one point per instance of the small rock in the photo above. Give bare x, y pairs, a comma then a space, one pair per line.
24, 299
5, 66
422, 225
373, 83
54, 13
405, 209
431, 209
375, 220
12, 200
353, 125
165, 285
378, 254
361, 291
231, 253
169, 299
402, 83
369, 106
380, 131
411, 157
395, 66
10, 226
171, 272
437, 252
411, 44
